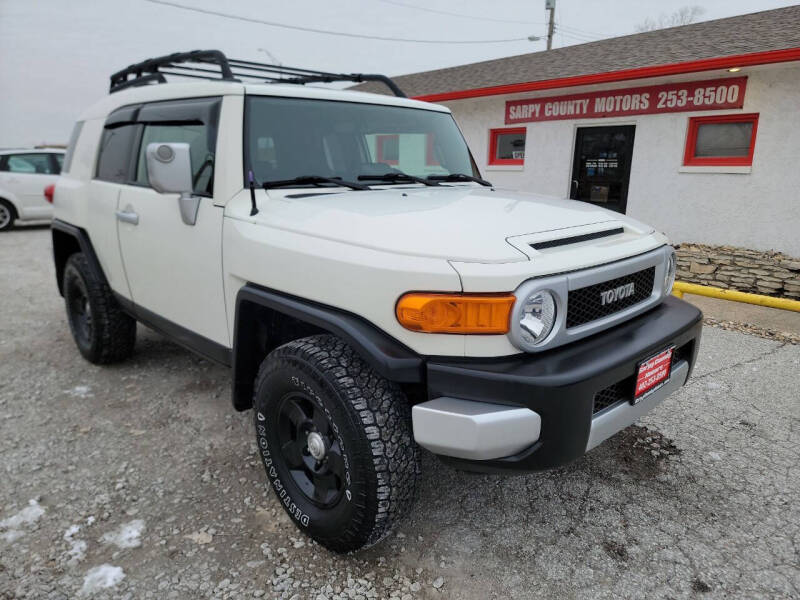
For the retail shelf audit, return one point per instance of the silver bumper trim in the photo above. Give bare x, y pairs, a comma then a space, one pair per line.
474, 430
609, 422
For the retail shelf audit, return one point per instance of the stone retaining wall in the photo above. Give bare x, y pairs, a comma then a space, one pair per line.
769, 273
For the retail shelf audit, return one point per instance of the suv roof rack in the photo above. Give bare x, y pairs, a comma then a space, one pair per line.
154, 70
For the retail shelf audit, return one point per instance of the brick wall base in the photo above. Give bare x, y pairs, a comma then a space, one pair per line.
769, 273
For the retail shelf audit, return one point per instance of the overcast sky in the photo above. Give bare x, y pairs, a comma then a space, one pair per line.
56, 55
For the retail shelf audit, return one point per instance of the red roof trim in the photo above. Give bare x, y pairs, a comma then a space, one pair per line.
694, 66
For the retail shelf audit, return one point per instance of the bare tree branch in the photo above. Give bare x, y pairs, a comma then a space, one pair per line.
682, 16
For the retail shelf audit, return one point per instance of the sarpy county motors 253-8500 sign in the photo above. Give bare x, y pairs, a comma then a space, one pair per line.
712, 94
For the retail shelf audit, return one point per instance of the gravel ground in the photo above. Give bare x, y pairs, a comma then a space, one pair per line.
139, 481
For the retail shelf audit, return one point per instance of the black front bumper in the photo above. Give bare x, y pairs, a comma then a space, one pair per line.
561, 384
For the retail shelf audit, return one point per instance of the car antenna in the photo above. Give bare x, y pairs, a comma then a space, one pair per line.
253, 209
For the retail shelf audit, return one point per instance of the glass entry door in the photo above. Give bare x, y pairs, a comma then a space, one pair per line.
602, 165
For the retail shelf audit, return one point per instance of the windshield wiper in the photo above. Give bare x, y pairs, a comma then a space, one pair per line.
459, 177
313, 180
391, 177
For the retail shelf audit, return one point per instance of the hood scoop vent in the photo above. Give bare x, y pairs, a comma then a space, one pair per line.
576, 239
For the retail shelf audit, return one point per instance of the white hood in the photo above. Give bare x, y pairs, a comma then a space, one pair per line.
459, 223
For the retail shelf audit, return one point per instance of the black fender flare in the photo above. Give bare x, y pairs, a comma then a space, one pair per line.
389, 357
68, 239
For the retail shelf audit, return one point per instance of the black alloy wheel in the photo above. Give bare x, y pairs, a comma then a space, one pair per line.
311, 451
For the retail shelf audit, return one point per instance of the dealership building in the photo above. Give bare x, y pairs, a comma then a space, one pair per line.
694, 129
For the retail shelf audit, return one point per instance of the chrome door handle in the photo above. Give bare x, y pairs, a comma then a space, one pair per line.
128, 216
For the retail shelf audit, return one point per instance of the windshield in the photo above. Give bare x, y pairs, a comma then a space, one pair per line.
296, 137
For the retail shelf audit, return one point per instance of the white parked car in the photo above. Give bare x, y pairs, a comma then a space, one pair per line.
371, 293
24, 177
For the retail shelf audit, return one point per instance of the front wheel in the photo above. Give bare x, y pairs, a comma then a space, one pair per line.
336, 442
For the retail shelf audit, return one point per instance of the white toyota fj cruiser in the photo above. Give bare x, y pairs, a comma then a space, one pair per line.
370, 292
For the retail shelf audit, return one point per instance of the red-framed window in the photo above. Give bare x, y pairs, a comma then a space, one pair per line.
388, 149
430, 154
721, 141
507, 146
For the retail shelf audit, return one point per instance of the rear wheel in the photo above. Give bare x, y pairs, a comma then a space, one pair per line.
101, 330
336, 442
7, 215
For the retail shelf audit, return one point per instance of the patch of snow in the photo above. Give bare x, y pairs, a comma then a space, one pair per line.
12, 535
90, 520
101, 578
71, 531
127, 535
27, 516
77, 548
80, 391
76, 552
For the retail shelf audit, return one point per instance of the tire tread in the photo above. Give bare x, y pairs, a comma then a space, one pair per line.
115, 329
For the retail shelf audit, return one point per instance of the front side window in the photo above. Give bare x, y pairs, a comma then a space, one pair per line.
29, 163
724, 140
116, 148
507, 146
202, 157
292, 137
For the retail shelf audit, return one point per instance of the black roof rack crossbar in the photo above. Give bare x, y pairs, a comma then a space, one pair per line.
216, 66
140, 71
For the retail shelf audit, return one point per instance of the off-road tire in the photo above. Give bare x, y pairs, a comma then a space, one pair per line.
111, 333
371, 420
9, 215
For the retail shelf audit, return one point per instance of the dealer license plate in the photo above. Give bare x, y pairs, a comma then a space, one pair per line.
652, 374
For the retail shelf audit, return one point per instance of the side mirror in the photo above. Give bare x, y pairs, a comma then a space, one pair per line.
169, 170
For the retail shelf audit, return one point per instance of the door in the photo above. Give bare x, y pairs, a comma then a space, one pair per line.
601, 167
26, 175
174, 270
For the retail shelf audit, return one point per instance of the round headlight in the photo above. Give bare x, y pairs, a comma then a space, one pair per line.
537, 317
669, 273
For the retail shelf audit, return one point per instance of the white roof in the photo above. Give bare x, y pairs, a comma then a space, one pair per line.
175, 91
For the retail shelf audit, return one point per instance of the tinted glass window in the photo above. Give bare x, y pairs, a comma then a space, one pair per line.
202, 156
29, 163
66, 160
723, 139
510, 146
59, 162
116, 147
291, 137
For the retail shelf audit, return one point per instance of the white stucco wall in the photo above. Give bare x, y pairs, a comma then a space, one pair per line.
759, 209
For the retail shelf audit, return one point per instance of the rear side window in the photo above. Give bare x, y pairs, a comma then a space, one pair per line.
66, 160
116, 146
28, 163
202, 156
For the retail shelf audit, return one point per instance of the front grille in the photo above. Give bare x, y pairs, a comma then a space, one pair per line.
622, 391
585, 304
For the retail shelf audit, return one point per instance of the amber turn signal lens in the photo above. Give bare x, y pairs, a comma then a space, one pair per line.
455, 313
